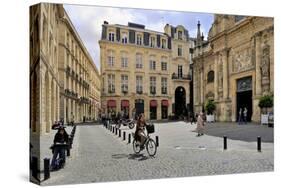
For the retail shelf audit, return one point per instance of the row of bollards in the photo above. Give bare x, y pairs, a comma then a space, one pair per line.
258, 143
118, 133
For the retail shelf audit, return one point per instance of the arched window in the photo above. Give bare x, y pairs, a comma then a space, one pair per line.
210, 77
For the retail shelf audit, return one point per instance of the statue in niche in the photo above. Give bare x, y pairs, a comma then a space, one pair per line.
265, 62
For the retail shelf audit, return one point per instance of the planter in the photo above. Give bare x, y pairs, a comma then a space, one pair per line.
210, 118
264, 119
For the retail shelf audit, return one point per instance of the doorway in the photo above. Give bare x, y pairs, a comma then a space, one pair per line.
180, 102
139, 105
244, 97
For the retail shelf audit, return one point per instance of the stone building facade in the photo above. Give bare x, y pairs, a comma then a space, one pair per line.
60, 70
78, 76
144, 70
44, 70
235, 66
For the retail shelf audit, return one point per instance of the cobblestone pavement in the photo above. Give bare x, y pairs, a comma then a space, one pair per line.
102, 156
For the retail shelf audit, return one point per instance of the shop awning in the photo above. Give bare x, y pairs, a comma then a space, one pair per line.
125, 103
153, 103
165, 103
111, 103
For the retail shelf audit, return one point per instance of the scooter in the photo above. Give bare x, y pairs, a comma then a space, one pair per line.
125, 122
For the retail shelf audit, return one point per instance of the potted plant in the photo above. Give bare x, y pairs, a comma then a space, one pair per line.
265, 102
210, 107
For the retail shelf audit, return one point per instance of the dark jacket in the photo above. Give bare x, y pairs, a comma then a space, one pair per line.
61, 138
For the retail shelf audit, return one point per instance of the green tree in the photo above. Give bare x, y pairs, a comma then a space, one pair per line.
210, 107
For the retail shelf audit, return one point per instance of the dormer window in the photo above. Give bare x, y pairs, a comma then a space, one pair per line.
152, 42
163, 43
111, 36
124, 38
180, 35
139, 39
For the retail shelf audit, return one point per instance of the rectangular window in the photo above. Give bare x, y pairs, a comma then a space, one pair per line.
124, 62
164, 85
139, 61
179, 50
111, 83
163, 43
139, 84
152, 65
153, 85
180, 71
124, 38
111, 36
139, 40
110, 60
180, 35
163, 66
124, 83
152, 42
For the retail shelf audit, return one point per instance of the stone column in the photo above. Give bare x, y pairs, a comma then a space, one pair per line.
216, 92
225, 75
49, 120
195, 87
258, 63
159, 110
202, 85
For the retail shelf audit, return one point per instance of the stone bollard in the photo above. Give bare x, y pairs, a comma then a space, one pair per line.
124, 135
46, 168
129, 138
225, 142
259, 143
157, 141
34, 167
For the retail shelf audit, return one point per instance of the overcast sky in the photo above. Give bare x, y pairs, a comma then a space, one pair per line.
89, 19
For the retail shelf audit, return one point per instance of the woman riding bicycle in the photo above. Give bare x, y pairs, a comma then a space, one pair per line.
140, 135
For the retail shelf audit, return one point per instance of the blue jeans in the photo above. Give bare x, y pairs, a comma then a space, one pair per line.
58, 151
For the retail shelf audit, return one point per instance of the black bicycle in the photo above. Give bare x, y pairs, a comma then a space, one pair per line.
149, 143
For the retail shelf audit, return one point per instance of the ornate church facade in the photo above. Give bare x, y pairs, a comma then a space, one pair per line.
235, 66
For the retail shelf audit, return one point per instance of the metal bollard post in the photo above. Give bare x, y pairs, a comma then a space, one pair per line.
116, 131
224, 142
46, 168
129, 138
124, 135
119, 133
34, 167
157, 141
259, 143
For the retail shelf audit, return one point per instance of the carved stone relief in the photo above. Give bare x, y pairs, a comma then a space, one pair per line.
242, 60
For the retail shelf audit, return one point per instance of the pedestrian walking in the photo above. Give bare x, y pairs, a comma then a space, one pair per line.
240, 117
245, 112
200, 124
72, 119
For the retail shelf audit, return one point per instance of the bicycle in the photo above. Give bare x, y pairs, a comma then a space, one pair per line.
149, 143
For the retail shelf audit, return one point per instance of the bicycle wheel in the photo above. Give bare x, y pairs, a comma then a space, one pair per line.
131, 125
151, 147
136, 146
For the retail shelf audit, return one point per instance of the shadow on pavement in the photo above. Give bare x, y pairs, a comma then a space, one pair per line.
138, 157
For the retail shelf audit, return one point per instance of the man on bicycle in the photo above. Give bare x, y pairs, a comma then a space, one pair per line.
140, 135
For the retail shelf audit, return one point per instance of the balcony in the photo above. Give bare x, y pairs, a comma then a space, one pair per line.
70, 93
181, 76
84, 100
139, 91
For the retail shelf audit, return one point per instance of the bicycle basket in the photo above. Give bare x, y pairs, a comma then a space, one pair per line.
150, 128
